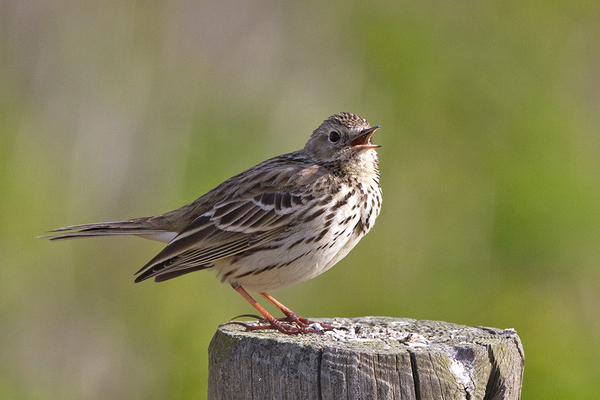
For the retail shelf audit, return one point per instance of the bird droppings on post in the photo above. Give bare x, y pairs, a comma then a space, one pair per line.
388, 330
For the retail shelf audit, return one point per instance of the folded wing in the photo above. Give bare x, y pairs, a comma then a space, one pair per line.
227, 229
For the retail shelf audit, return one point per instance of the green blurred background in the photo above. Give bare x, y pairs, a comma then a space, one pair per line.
490, 115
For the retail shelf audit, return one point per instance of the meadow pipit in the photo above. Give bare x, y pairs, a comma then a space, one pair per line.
282, 222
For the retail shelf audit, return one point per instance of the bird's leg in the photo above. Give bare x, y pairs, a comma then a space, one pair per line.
273, 322
292, 316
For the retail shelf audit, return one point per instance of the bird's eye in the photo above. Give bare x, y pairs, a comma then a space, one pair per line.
334, 136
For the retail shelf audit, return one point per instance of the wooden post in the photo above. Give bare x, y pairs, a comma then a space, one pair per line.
368, 358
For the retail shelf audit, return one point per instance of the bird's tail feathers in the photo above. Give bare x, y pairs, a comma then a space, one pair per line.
138, 227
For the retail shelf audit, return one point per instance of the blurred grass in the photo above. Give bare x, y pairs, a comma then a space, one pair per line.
490, 171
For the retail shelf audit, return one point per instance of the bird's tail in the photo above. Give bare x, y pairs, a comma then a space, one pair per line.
143, 227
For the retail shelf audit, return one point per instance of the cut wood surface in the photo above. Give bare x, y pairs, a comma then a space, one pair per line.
367, 358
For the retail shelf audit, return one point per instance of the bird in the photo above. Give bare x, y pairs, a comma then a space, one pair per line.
279, 223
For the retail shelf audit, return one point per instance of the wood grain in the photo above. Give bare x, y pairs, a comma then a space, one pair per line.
368, 358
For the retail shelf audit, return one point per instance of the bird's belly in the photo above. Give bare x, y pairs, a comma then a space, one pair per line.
256, 277
296, 258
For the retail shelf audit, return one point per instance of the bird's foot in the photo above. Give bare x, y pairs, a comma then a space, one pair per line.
293, 318
292, 324
303, 322
287, 325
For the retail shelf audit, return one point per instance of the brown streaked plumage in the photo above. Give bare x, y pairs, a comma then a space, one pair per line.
284, 221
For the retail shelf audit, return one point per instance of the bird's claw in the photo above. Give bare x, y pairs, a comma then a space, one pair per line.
258, 317
290, 319
283, 325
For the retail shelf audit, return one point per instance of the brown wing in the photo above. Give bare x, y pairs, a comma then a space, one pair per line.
227, 229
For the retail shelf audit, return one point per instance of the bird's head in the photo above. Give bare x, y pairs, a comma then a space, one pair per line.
341, 137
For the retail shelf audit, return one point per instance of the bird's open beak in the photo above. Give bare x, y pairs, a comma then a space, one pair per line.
362, 141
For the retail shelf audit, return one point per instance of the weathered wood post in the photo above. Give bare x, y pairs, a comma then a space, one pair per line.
368, 358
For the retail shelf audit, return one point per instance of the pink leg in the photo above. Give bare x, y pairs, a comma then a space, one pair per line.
273, 322
292, 316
